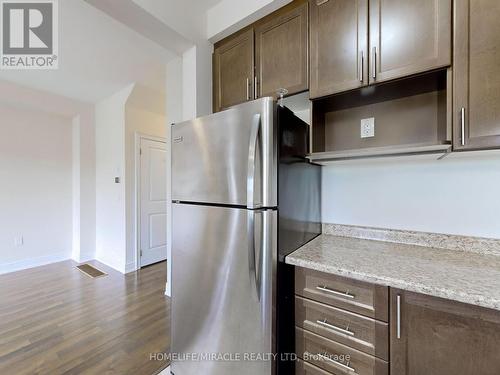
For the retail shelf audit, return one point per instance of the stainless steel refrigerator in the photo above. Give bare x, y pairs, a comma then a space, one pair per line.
244, 196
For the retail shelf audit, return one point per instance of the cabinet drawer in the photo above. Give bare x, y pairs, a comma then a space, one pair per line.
356, 296
365, 334
304, 368
336, 358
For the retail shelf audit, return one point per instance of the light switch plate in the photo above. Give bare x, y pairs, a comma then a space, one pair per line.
368, 127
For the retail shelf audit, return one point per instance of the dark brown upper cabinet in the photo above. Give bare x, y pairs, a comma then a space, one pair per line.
271, 54
404, 37
476, 73
233, 67
408, 37
339, 46
433, 336
281, 46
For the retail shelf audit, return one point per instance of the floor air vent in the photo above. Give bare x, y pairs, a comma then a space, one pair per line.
91, 271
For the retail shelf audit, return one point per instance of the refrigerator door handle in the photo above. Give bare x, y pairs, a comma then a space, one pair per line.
252, 158
252, 268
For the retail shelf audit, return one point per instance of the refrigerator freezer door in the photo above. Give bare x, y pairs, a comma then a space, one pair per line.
212, 157
221, 305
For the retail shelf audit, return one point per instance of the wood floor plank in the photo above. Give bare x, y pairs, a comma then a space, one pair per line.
54, 320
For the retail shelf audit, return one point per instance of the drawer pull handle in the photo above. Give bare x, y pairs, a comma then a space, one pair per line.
335, 292
324, 323
337, 363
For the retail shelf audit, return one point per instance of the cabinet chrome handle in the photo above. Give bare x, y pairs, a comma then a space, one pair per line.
335, 292
321, 2
248, 88
398, 317
337, 363
462, 123
324, 323
374, 63
361, 66
255, 91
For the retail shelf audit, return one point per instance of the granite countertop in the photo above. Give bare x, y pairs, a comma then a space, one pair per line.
462, 276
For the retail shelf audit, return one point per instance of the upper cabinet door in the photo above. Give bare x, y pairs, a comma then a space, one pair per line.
281, 53
233, 71
339, 50
408, 37
477, 75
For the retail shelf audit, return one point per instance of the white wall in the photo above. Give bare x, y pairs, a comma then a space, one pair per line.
189, 84
175, 112
144, 115
229, 16
134, 110
84, 188
82, 115
110, 196
35, 188
457, 195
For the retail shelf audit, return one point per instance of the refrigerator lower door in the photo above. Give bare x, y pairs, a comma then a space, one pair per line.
223, 290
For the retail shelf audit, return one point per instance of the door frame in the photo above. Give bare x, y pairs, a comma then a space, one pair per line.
137, 185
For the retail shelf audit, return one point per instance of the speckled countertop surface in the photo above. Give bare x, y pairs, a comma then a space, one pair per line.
456, 275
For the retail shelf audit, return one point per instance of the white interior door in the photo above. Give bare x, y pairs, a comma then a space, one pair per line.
153, 202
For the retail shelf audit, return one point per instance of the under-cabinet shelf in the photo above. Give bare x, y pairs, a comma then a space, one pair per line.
378, 152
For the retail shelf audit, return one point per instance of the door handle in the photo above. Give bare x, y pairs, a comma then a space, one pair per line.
252, 268
252, 159
251, 206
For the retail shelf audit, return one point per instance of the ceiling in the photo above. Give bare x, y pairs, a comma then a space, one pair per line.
98, 56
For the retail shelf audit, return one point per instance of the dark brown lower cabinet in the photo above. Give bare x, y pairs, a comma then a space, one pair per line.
433, 336
336, 358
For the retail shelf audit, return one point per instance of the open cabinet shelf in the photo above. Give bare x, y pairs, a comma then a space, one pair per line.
411, 117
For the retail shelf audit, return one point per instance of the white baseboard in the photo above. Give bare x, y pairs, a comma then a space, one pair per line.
33, 262
130, 267
111, 264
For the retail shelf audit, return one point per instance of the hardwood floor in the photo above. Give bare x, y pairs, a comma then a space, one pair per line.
56, 320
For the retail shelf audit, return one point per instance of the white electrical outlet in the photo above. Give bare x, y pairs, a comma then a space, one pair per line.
368, 127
